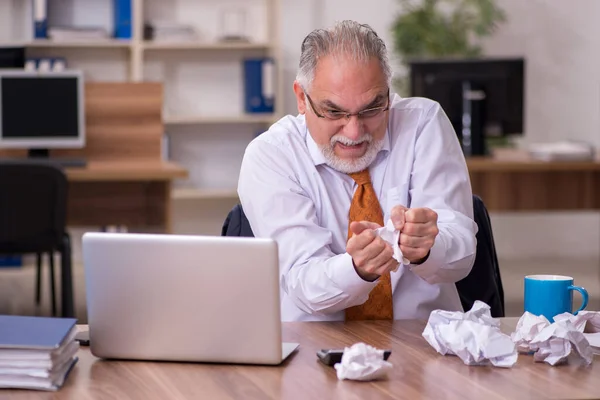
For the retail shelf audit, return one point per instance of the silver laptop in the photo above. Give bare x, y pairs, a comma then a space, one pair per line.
184, 298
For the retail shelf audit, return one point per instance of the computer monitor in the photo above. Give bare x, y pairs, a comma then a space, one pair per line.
482, 97
12, 57
41, 111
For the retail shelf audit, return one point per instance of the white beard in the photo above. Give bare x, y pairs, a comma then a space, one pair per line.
350, 166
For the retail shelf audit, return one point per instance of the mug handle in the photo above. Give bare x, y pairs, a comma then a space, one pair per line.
584, 294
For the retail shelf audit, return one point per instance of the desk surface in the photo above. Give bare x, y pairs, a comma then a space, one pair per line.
419, 372
115, 171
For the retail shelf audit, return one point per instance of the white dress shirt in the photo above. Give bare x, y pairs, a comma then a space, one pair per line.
289, 194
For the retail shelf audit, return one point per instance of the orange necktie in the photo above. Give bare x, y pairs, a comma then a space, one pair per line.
365, 207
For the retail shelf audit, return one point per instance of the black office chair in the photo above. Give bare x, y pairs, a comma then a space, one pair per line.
33, 207
483, 282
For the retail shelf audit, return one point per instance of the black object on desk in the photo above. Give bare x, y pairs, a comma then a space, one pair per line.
331, 357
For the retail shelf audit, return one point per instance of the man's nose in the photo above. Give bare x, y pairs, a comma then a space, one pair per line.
353, 129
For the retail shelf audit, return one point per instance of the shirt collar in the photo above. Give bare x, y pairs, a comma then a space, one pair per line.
317, 155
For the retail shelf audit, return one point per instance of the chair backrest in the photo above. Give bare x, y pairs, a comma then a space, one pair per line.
483, 282
33, 206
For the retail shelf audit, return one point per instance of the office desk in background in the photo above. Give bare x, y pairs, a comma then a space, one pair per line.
127, 193
418, 372
510, 180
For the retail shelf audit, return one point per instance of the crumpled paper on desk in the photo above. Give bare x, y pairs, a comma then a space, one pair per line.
554, 342
391, 235
362, 362
475, 336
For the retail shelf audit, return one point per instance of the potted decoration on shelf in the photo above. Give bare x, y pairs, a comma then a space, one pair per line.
442, 29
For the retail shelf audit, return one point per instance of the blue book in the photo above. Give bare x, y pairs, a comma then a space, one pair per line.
122, 14
43, 333
36, 352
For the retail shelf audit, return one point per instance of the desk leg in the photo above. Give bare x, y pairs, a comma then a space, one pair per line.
168, 208
66, 280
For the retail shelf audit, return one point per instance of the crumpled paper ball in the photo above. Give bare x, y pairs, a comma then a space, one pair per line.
554, 342
475, 336
362, 362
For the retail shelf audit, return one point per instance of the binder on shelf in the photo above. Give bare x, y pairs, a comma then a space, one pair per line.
122, 14
259, 85
40, 19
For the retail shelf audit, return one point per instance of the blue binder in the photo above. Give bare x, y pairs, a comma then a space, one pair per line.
122, 14
259, 84
40, 19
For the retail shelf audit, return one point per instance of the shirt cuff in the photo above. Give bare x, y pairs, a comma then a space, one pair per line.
347, 279
428, 271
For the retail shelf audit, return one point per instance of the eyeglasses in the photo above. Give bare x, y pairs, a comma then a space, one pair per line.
335, 115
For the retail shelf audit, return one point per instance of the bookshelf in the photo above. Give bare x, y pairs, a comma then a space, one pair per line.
206, 128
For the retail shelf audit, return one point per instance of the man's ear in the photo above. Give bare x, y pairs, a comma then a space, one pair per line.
300, 97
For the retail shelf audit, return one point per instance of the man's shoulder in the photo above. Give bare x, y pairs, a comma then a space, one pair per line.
400, 104
287, 133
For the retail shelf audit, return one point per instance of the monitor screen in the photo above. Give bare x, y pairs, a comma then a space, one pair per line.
501, 80
41, 110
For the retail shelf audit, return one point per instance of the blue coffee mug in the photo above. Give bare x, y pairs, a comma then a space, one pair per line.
550, 295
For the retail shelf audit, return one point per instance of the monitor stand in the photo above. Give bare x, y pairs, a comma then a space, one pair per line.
473, 120
43, 155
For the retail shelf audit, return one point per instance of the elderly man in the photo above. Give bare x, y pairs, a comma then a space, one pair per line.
357, 156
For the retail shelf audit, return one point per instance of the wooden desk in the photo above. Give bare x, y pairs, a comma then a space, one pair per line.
129, 193
512, 181
419, 373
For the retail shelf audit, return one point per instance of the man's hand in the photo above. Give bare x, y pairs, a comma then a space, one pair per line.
372, 256
418, 230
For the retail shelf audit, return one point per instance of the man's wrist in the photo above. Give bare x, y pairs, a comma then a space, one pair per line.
422, 260
365, 276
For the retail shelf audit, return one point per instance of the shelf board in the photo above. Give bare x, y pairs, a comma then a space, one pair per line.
108, 43
151, 45
199, 194
205, 120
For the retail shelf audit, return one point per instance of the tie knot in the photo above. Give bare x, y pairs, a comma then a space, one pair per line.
362, 177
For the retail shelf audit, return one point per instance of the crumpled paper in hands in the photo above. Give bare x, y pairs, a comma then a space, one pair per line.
391, 235
554, 342
362, 362
475, 336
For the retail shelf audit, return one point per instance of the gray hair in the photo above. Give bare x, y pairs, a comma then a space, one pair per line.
347, 38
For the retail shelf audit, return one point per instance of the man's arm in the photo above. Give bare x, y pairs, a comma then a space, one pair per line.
316, 279
440, 181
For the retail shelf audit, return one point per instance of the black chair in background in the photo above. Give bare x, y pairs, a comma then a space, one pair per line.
483, 282
33, 207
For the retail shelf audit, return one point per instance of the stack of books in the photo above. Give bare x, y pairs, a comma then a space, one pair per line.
36, 352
